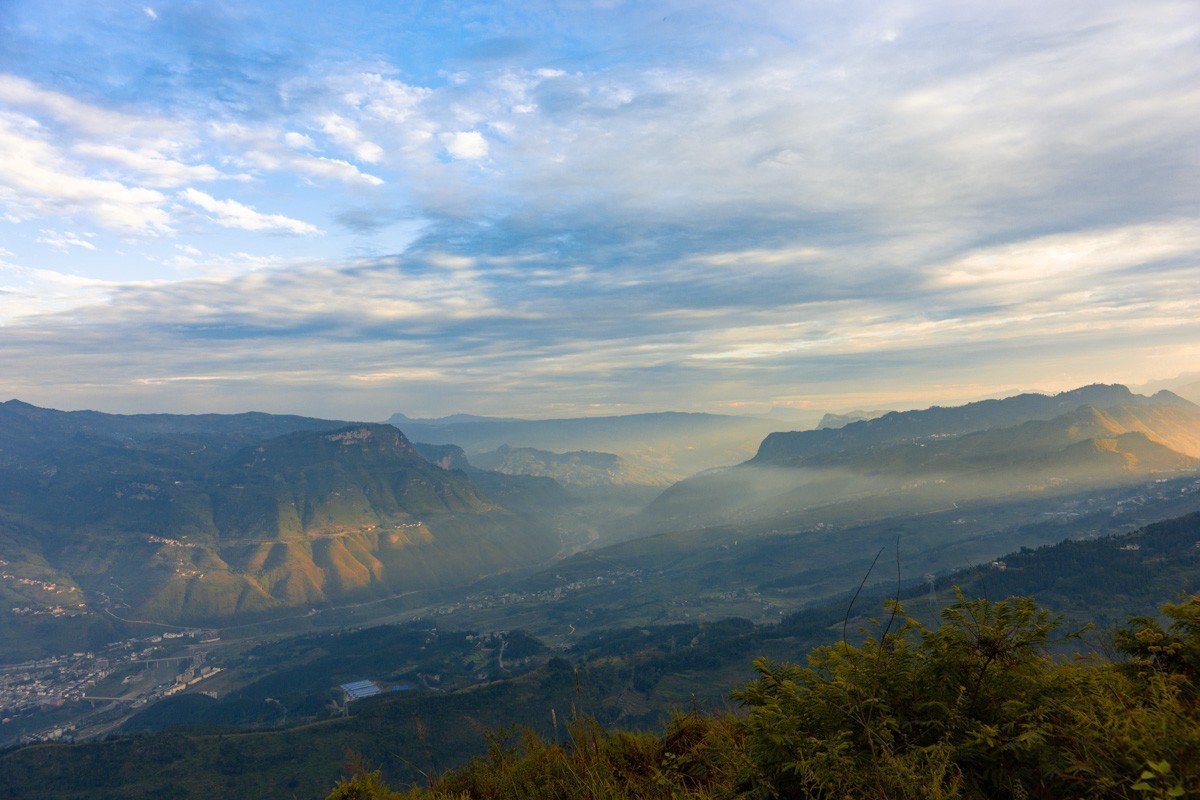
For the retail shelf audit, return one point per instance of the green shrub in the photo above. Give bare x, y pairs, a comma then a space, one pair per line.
977, 709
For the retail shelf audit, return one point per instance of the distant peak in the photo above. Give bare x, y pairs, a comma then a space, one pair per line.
1167, 397
1102, 390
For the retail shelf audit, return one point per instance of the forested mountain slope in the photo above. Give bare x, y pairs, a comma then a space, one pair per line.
198, 520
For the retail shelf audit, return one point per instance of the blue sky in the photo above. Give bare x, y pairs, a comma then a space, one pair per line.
551, 209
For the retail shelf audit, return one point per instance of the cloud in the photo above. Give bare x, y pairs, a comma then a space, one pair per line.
374, 117
63, 241
232, 214
152, 167
299, 141
84, 117
1075, 261
630, 206
27, 293
66, 157
37, 179
346, 134
260, 149
467, 145
194, 263
334, 168
369, 97
511, 332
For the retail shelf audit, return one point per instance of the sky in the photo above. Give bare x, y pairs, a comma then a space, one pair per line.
549, 209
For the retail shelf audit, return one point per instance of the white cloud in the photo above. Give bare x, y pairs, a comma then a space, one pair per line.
194, 263
40, 180
764, 257
26, 292
370, 96
346, 134
337, 169
259, 148
150, 12
63, 241
1075, 261
64, 157
467, 145
375, 118
153, 168
232, 214
315, 166
299, 141
89, 119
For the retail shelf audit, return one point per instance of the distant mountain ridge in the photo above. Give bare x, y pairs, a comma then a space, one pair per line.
27, 428
913, 460
200, 519
952, 421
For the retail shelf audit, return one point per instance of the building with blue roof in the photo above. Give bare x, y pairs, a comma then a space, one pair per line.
356, 690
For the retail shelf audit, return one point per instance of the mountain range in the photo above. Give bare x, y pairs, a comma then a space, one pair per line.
896, 427
219, 519
916, 461
192, 520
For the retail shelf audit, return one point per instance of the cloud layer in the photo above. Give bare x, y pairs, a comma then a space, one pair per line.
573, 207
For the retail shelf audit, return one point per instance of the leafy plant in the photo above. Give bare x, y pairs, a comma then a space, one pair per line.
977, 708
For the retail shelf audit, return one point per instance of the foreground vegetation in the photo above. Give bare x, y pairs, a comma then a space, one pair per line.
987, 705
626, 678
